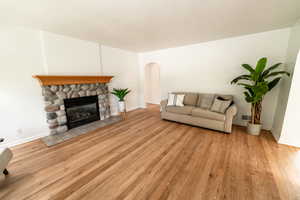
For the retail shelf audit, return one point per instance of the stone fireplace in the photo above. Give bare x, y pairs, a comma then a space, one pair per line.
72, 101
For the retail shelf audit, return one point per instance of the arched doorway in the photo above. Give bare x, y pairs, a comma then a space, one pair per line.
152, 83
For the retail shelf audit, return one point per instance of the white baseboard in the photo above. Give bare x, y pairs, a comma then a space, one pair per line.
143, 106
134, 108
24, 140
290, 143
128, 109
156, 103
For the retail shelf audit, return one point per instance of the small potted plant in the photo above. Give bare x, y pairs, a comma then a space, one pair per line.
121, 93
257, 84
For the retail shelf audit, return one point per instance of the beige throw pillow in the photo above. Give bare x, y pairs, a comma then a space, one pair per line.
175, 99
220, 106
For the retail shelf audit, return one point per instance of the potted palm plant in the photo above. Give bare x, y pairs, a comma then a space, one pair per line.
257, 83
120, 94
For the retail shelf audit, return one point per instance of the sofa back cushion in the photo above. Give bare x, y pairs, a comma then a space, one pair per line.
202, 100
205, 100
190, 99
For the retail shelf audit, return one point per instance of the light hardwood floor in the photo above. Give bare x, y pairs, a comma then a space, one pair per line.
145, 157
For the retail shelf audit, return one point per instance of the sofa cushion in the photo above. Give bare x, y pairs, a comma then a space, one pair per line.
184, 110
190, 99
199, 100
200, 112
205, 101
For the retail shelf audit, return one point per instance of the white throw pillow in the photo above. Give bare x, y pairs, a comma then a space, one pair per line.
179, 99
171, 98
175, 99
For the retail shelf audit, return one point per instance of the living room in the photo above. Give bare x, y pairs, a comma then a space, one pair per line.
173, 114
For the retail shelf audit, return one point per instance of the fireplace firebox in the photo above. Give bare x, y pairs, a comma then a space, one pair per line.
81, 110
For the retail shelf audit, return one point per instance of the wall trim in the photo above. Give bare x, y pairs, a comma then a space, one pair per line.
129, 109
24, 140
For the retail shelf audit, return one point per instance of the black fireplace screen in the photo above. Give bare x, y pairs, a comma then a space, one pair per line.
81, 110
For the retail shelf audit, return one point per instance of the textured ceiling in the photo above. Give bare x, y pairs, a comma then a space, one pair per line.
144, 25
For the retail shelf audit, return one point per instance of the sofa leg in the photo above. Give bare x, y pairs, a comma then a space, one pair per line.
5, 172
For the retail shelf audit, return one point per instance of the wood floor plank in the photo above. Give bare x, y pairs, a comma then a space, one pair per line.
74, 165
144, 157
131, 170
87, 173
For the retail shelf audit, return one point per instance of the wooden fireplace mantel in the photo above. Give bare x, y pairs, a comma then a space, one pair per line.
65, 80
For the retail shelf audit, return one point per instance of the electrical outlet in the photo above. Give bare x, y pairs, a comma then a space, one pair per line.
246, 117
19, 131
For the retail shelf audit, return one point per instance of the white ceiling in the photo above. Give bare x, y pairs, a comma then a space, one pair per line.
143, 25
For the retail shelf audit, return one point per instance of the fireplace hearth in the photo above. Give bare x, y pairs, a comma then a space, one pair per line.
81, 111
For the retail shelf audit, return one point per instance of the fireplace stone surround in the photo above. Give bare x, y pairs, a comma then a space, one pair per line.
54, 96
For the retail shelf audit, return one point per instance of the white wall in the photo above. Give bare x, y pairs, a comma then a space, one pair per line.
209, 67
25, 52
152, 83
65, 55
124, 66
285, 127
290, 130
21, 105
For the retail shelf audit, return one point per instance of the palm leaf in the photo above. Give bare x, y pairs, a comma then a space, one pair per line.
249, 68
277, 73
246, 85
266, 72
273, 83
242, 77
250, 91
261, 65
248, 97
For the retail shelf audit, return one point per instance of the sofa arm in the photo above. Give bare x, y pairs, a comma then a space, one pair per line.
230, 113
163, 105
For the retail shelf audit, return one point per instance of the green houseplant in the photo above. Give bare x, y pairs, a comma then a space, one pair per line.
257, 83
120, 94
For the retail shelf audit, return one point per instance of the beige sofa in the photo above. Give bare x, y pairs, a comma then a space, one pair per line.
196, 111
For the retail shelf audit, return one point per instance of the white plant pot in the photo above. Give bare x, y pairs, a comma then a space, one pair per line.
122, 106
253, 129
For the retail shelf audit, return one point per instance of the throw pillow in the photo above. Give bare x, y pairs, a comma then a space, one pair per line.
220, 105
175, 99
171, 98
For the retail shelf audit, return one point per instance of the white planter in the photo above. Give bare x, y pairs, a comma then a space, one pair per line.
122, 106
253, 129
